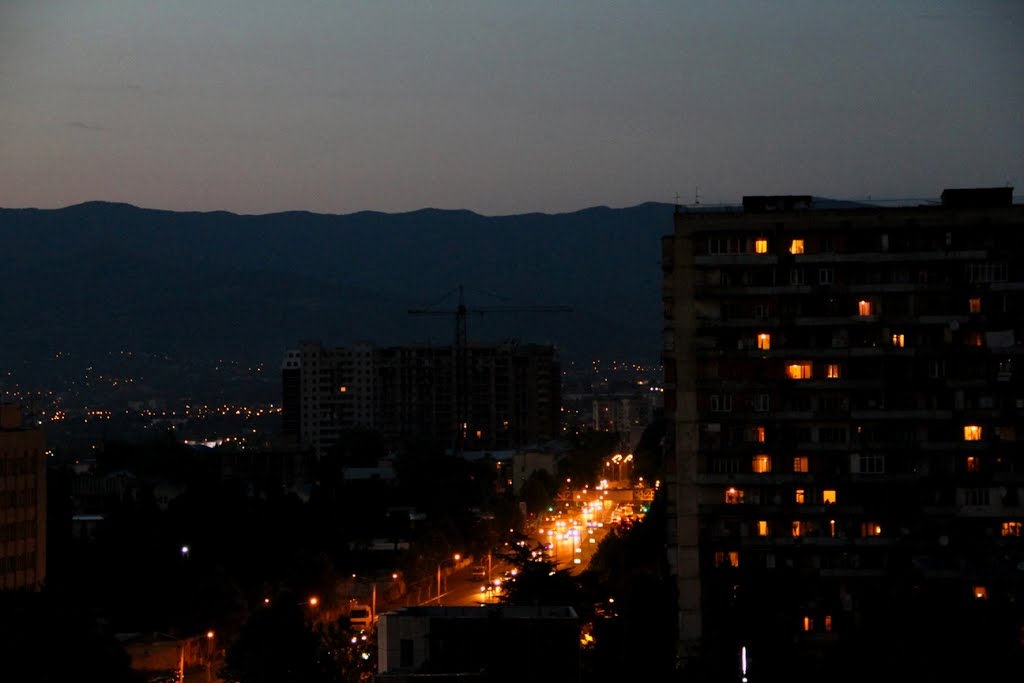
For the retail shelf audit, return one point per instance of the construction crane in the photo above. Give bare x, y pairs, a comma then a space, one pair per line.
461, 390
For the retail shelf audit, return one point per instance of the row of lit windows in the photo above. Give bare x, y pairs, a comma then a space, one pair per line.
801, 527
734, 495
804, 370
865, 307
973, 272
762, 464
866, 463
860, 463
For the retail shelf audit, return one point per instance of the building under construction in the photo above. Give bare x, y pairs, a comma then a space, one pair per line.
509, 394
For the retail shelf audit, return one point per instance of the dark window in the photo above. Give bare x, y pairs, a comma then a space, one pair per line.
405, 656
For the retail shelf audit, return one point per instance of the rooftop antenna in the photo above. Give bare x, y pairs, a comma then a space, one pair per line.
696, 195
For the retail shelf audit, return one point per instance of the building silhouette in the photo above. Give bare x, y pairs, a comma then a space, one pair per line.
845, 398
22, 502
408, 393
491, 643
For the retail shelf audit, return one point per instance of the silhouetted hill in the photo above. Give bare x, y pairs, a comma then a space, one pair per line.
98, 276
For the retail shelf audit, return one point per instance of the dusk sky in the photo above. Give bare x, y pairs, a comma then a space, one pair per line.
258, 106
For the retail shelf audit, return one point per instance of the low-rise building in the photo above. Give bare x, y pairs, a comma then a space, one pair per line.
489, 643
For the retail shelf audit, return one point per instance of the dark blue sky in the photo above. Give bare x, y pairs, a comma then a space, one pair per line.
256, 106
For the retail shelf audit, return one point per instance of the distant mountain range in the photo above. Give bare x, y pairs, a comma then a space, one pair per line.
101, 277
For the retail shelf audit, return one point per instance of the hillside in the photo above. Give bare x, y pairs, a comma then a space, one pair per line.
100, 277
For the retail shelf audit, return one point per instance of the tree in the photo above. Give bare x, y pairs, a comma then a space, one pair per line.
538, 580
46, 636
634, 628
538, 490
278, 644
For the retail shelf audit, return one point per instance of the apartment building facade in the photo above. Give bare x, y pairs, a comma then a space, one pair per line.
845, 394
22, 502
513, 394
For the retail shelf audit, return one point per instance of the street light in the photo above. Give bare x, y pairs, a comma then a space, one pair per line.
456, 557
373, 591
209, 656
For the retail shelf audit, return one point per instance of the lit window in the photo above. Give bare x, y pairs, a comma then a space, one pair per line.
800, 496
808, 624
762, 464
980, 593
734, 559
733, 495
828, 496
796, 247
975, 304
759, 434
973, 463
798, 529
761, 245
863, 308
870, 529
899, 340
828, 623
974, 339
764, 341
762, 528
832, 371
1009, 529
719, 558
801, 370
800, 463
342, 389
972, 433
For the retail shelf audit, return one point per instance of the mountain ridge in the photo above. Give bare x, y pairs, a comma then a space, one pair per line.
97, 276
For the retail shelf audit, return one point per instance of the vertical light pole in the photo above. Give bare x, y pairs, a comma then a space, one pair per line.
209, 648
455, 557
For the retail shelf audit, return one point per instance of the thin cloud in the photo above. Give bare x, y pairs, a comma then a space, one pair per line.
84, 126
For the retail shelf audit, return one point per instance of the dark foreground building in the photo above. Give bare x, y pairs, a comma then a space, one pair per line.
22, 502
491, 643
846, 398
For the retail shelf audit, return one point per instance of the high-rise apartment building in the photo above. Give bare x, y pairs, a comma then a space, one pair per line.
513, 394
22, 502
845, 394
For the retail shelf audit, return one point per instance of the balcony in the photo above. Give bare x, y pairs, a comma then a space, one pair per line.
744, 259
860, 414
